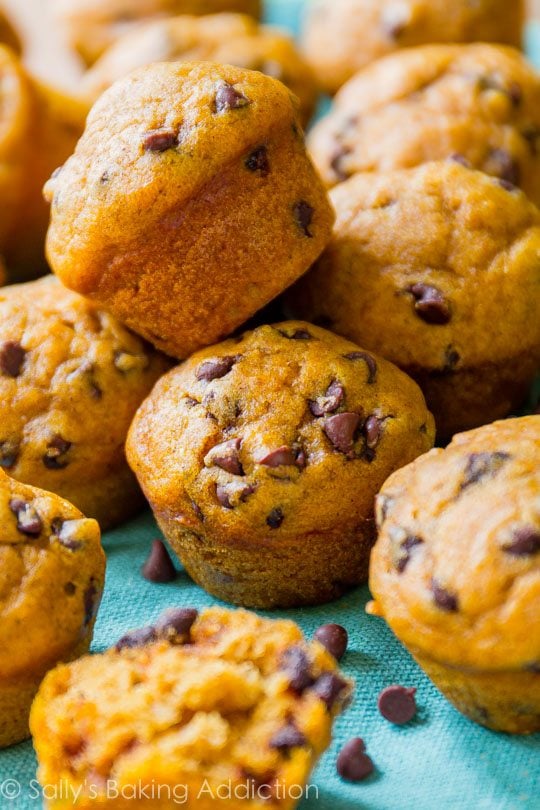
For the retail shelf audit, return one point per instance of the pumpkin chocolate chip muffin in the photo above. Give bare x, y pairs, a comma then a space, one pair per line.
38, 130
232, 39
52, 569
261, 458
228, 708
71, 379
342, 36
93, 25
436, 268
428, 103
189, 203
456, 570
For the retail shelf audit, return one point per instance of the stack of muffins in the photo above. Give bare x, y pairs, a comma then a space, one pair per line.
404, 249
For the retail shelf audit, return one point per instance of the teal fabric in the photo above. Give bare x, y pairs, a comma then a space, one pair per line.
440, 761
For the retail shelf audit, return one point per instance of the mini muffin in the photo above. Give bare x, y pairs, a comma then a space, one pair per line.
436, 268
261, 458
223, 703
456, 570
71, 379
233, 39
8, 35
38, 130
478, 101
93, 25
52, 569
189, 203
342, 36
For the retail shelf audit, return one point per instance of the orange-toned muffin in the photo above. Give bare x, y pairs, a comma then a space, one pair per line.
261, 458
436, 269
456, 570
71, 379
428, 103
342, 36
8, 35
189, 203
93, 25
222, 710
232, 39
52, 569
38, 130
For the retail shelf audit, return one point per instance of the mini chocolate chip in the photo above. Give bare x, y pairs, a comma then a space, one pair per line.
126, 362
333, 638
90, 603
328, 687
198, 511
275, 518
222, 495
70, 589
337, 162
533, 666
525, 542
330, 402
228, 494
515, 93
105, 177
383, 504
373, 431
12, 357
297, 666
281, 457
531, 134
451, 359
54, 455
353, 764
66, 531
28, 520
461, 159
403, 556
9, 454
397, 704
136, 638
176, 623
288, 737
215, 369
229, 98
298, 334
444, 599
303, 214
341, 429
368, 360
430, 304
226, 457
159, 140
507, 185
394, 21
159, 566
258, 161
502, 164
481, 466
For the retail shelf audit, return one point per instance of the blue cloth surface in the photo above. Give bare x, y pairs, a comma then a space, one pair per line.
439, 761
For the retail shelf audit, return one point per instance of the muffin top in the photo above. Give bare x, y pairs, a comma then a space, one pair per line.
449, 252
52, 568
427, 103
225, 696
285, 430
71, 378
233, 39
456, 568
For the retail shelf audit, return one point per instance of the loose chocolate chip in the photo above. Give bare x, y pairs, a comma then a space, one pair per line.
444, 599
9, 454
159, 566
28, 520
275, 518
229, 98
430, 304
502, 164
297, 666
258, 161
334, 638
481, 466
226, 456
176, 623
341, 430
525, 542
303, 214
328, 687
54, 458
403, 555
373, 431
330, 402
136, 638
90, 603
288, 737
12, 357
461, 159
353, 764
397, 704
215, 369
281, 457
368, 360
159, 140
